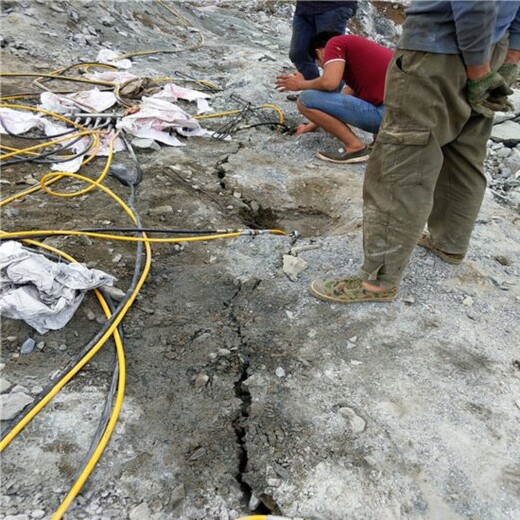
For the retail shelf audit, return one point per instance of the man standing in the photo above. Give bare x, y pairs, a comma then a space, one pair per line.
453, 68
311, 18
362, 65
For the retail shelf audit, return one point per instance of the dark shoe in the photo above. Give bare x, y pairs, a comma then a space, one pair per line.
292, 97
341, 156
451, 258
348, 290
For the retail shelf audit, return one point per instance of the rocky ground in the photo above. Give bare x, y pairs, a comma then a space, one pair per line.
244, 394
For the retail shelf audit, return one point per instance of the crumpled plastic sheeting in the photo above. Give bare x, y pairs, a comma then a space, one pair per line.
18, 121
21, 121
107, 55
85, 101
172, 92
43, 293
156, 118
116, 77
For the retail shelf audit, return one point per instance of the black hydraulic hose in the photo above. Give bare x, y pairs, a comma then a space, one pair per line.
110, 398
40, 158
271, 123
74, 361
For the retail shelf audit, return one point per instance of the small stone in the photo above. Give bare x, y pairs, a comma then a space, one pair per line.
62, 347
35, 390
503, 260
353, 339
140, 512
117, 259
237, 194
197, 454
38, 513
13, 403
143, 143
178, 495
293, 266
4, 385
357, 423
224, 352
409, 299
91, 316
114, 292
355, 362
201, 380
280, 372
19, 388
11, 338
161, 210
254, 502
40, 345
468, 301
27, 346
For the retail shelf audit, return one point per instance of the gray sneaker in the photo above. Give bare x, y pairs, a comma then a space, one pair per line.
342, 156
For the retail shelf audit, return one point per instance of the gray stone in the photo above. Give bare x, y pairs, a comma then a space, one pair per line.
178, 495
13, 403
508, 132
143, 143
161, 210
4, 385
140, 512
201, 380
357, 423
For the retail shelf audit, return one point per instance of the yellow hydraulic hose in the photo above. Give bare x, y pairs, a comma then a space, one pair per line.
53, 76
19, 427
121, 238
117, 404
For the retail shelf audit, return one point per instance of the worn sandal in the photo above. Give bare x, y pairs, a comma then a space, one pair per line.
348, 290
451, 258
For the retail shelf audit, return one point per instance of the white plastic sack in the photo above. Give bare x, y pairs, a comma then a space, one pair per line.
107, 55
43, 293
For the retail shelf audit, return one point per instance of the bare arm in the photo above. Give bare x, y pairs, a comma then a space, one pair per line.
328, 81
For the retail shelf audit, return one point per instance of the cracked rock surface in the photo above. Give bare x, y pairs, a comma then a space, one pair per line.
244, 394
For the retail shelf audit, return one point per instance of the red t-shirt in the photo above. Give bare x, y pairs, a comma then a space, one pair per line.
365, 65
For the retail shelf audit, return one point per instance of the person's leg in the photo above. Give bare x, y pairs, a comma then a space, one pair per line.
334, 126
333, 20
303, 29
423, 113
334, 112
460, 188
461, 185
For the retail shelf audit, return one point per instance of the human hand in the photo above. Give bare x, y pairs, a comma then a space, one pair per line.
304, 128
293, 81
509, 72
488, 94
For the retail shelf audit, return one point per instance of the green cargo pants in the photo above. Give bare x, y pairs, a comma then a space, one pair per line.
427, 164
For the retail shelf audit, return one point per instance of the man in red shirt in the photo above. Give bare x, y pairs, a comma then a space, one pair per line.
361, 64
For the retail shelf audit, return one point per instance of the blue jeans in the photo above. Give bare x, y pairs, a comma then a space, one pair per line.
349, 109
305, 27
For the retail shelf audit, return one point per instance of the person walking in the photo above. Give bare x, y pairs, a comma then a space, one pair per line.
349, 60
453, 68
311, 18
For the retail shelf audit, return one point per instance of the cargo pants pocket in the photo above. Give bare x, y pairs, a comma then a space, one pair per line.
401, 155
